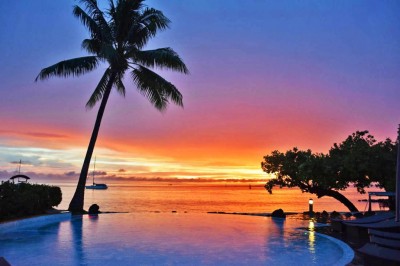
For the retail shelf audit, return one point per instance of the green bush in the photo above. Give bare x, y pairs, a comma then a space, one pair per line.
23, 199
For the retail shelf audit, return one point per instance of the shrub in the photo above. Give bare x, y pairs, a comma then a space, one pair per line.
23, 199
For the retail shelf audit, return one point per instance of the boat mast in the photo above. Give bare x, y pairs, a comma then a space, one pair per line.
94, 168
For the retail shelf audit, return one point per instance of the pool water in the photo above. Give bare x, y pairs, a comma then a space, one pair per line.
167, 239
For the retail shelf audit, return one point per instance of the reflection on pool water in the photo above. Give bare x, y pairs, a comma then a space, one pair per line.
167, 239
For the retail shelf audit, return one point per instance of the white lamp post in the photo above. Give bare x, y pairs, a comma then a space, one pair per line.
310, 207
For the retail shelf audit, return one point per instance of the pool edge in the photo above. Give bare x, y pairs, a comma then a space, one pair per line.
348, 252
34, 221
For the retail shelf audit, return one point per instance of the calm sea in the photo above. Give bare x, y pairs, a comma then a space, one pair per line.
200, 197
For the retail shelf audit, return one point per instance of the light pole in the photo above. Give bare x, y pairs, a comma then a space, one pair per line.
310, 207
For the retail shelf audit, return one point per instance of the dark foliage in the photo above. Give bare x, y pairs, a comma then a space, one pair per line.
358, 161
23, 199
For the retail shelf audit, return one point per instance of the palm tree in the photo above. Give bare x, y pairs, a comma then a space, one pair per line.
117, 38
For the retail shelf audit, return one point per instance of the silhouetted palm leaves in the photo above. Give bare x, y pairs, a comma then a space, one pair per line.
117, 37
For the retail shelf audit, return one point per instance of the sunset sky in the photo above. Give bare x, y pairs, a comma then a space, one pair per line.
264, 76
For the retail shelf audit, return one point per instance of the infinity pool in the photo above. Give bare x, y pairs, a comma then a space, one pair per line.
167, 239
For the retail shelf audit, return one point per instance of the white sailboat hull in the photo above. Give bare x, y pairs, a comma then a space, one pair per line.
97, 186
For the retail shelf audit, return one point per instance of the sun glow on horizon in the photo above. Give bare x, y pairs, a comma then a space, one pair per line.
117, 165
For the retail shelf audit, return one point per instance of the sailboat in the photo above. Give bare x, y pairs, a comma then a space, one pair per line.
96, 185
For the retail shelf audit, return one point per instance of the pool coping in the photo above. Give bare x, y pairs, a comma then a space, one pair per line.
348, 252
34, 221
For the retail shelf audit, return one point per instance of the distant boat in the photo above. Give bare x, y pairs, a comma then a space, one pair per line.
96, 185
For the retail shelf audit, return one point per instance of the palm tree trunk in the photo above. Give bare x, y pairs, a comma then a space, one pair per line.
76, 204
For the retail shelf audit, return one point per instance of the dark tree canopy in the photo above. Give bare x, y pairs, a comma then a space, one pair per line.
359, 160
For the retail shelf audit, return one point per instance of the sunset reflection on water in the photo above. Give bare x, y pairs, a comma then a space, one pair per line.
311, 236
204, 197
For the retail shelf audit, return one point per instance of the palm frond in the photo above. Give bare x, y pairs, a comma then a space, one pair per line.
154, 20
124, 18
99, 91
92, 46
88, 22
73, 67
137, 35
146, 26
111, 9
119, 85
93, 11
155, 88
103, 50
161, 58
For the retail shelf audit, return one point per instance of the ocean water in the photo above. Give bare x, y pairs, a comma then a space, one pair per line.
192, 197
